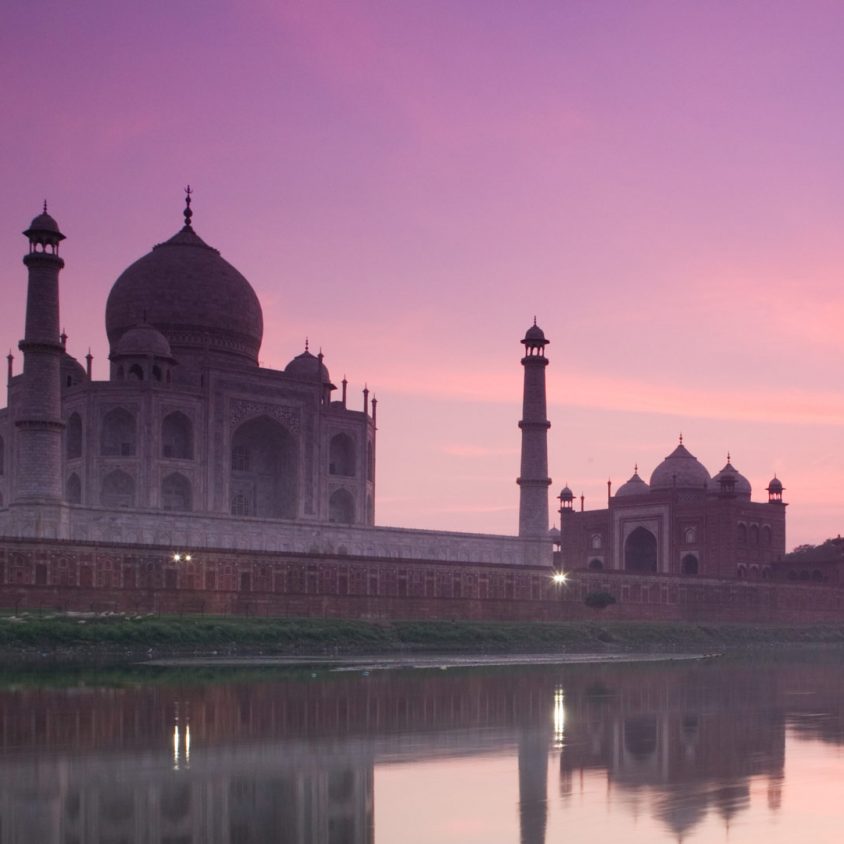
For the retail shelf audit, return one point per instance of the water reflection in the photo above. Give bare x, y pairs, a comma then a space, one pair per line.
297, 758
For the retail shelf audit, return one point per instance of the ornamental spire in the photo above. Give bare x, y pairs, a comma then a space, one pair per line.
187, 212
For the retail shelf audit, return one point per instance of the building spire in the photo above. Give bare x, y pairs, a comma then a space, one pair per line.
533, 477
45, 206
188, 213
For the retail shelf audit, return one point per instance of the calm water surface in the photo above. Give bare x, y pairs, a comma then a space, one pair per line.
714, 751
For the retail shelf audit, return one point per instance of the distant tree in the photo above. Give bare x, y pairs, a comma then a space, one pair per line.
831, 549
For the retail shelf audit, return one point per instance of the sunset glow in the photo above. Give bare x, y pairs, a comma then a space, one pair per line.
407, 184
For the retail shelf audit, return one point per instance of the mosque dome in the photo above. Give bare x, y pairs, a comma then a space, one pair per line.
195, 298
308, 367
775, 485
142, 341
566, 494
740, 483
635, 486
681, 469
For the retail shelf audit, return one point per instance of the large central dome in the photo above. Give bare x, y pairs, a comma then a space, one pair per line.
195, 298
680, 470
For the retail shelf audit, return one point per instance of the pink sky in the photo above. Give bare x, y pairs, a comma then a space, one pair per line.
408, 183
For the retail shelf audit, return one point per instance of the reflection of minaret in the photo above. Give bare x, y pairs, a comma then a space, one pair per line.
533, 479
533, 786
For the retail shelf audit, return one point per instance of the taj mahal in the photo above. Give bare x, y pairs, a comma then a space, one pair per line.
191, 443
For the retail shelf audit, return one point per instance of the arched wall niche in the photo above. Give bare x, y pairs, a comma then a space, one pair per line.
341, 507
118, 435
264, 470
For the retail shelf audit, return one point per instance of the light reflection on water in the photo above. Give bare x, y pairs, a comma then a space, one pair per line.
711, 751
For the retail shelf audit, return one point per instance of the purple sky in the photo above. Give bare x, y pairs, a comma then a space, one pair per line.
408, 183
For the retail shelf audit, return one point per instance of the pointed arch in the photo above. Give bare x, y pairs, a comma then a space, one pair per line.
264, 470
689, 564
177, 436
73, 436
73, 490
342, 458
640, 551
118, 490
176, 493
341, 507
118, 436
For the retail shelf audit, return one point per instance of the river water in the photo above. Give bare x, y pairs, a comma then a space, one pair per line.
718, 750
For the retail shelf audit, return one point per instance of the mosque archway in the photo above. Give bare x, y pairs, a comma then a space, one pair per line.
264, 477
689, 564
640, 551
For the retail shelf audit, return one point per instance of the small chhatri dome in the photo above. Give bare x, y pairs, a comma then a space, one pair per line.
195, 298
72, 372
635, 486
308, 367
680, 470
775, 485
44, 229
535, 336
142, 341
729, 475
566, 494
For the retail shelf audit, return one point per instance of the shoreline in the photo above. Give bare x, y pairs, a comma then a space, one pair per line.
443, 661
60, 641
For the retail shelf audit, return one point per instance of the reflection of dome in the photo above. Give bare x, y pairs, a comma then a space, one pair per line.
680, 469
635, 486
198, 301
307, 367
740, 483
142, 341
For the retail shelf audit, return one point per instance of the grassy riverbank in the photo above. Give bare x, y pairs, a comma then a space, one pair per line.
119, 638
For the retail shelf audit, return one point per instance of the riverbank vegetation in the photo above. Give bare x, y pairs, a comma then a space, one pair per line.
129, 638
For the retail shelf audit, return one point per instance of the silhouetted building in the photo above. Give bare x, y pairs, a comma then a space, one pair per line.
191, 442
683, 522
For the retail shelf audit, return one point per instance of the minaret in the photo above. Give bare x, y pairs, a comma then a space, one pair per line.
39, 418
533, 479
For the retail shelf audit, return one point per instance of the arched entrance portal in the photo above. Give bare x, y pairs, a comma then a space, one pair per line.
640, 551
263, 470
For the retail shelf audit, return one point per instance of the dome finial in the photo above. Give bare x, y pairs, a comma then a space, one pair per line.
681, 438
728, 457
45, 206
306, 344
635, 468
188, 213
